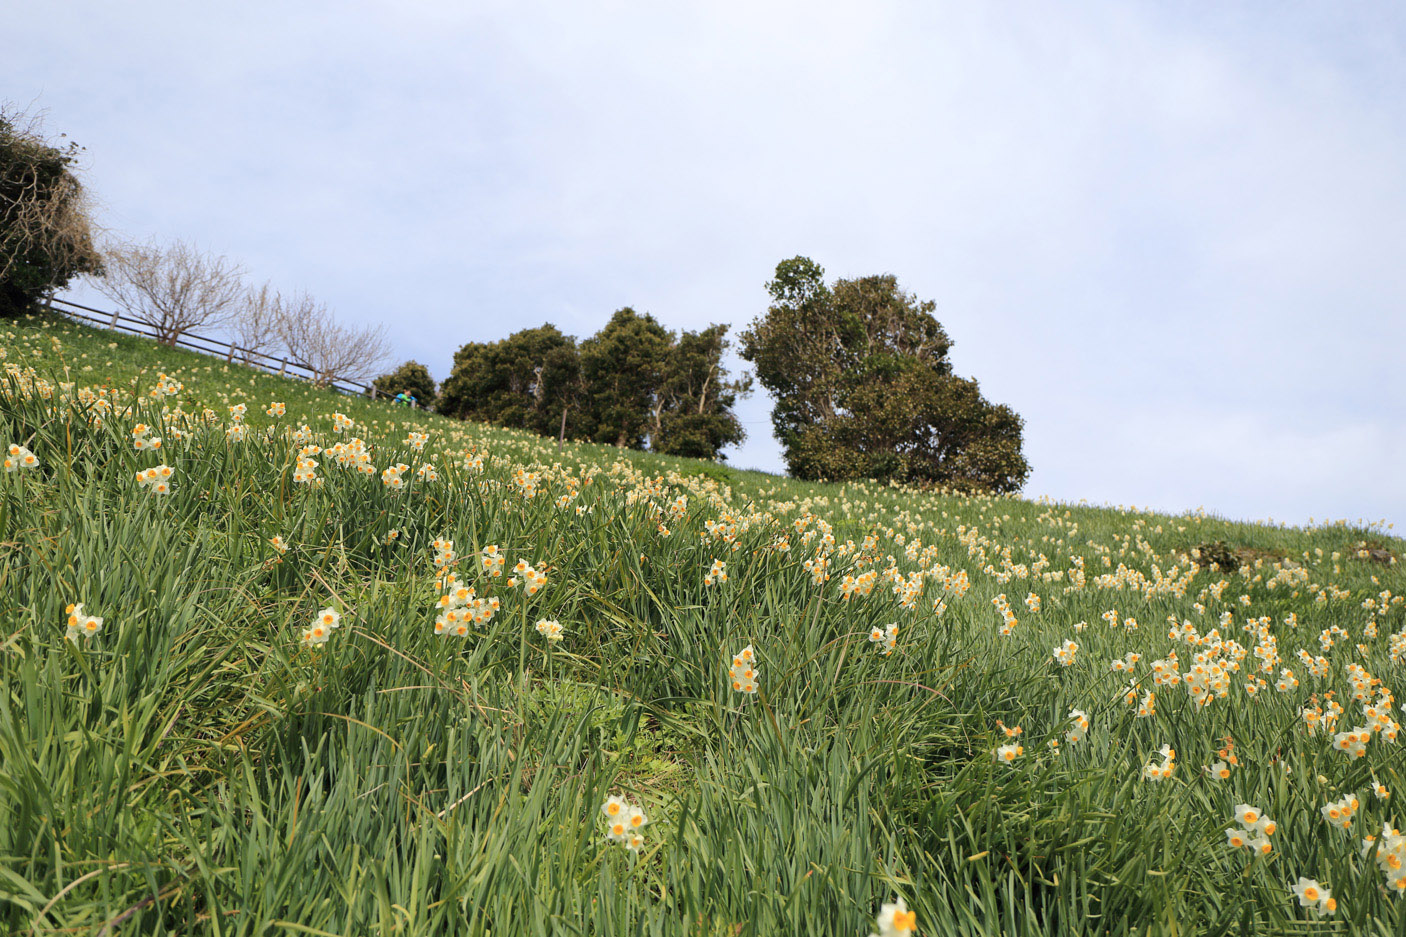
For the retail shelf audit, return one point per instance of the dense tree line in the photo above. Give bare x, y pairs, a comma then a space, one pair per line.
633, 384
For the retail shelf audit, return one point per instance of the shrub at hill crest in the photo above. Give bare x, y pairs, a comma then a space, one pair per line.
45, 225
864, 388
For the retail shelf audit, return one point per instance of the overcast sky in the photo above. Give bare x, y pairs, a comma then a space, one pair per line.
1171, 236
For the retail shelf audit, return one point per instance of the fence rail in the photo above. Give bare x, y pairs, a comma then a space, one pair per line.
231, 352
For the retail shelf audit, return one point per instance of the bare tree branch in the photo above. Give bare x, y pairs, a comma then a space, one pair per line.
174, 289
255, 324
331, 351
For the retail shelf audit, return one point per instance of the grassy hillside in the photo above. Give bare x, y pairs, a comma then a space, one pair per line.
205, 761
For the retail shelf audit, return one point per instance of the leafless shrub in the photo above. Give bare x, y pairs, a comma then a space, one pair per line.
331, 351
254, 327
173, 289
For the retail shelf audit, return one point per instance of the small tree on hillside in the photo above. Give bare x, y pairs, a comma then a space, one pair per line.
46, 228
864, 388
255, 323
174, 289
331, 351
411, 378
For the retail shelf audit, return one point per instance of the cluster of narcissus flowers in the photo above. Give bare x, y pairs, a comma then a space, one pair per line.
390, 477
156, 479
417, 441
166, 386
1008, 618
1080, 727
276, 409
341, 422
1254, 830
1126, 663
717, 574
532, 579
279, 544
325, 622
18, 457
1391, 856
1353, 742
1009, 752
1315, 896
744, 670
1064, 654
886, 637
81, 623
895, 920
142, 439
237, 431
1152, 771
492, 560
550, 629
305, 469
460, 605
1340, 812
624, 822
354, 455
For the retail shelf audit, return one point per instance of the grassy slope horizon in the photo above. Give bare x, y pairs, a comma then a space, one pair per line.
124, 358
194, 767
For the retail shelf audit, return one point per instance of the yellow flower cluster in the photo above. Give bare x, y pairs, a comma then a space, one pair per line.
80, 622
1391, 857
744, 671
18, 457
886, 637
142, 440
717, 574
1155, 772
323, 624
1254, 831
624, 823
390, 477
1064, 653
156, 479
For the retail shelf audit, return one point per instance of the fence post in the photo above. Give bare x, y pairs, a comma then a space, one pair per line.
373, 391
283, 371
230, 355
113, 323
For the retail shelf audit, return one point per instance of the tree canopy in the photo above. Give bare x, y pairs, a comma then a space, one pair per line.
633, 384
864, 388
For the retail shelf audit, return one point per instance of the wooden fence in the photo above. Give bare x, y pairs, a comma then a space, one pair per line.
282, 366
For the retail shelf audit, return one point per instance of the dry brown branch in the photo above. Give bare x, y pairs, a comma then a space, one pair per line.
331, 351
173, 289
255, 324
